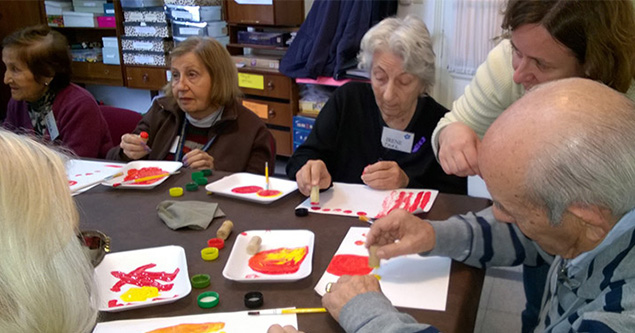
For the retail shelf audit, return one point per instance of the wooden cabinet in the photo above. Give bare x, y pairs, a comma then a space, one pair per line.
270, 94
288, 13
143, 77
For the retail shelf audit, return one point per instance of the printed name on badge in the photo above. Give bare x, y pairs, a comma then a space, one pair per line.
397, 140
51, 125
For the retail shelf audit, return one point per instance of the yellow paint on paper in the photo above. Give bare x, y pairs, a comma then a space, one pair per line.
139, 294
261, 110
252, 81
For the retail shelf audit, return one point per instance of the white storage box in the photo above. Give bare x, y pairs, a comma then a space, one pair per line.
141, 3
110, 55
194, 13
151, 14
143, 29
145, 58
110, 42
211, 29
89, 6
194, 2
75, 19
146, 44
57, 7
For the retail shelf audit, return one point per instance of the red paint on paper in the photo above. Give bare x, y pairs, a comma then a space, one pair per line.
278, 261
252, 276
191, 328
142, 278
89, 173
71, 182
359, 242
114, 303
404, 200
326, 210
349, 264
246, 189
114, 166
243, 233
313, 203
315, 208
268, 193
362, 213
133, 174
78, 175
337, 210
347, 211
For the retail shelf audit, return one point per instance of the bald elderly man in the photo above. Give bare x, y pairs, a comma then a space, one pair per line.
560, 166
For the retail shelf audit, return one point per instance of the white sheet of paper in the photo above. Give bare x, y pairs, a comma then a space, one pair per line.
235, 322
410, 281
358, 199
80, 172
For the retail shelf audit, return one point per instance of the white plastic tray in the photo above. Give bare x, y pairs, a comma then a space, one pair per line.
166, 258
225, 185
167, 166
237, 267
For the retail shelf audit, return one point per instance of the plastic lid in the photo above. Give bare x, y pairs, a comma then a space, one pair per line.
176, 191
200, 280
191, 186
254, 299
208, 299
207, 172
218, 243
201, 181
197, 174
209, 253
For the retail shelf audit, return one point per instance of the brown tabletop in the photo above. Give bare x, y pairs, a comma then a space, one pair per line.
129, 217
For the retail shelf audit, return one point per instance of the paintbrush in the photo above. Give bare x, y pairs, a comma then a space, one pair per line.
79, 188
366, 219
144, 179
286, 311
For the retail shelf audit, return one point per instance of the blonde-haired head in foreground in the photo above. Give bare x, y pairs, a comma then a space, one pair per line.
45, 277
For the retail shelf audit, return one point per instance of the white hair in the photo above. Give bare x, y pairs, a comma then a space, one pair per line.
408, 38
591, 162
45, 277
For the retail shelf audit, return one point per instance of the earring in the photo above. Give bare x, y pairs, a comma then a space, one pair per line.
46, 83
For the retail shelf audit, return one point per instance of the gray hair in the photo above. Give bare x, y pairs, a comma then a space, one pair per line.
408, 38
46, 280
592, 163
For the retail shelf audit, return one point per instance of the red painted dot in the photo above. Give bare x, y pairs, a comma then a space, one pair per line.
326, 210
114, 166
315, 208
337, 210
243, 233
89, 173
347, 211
78, 175
363, 235
71, 182
361, 213
314, 203
97, 171
359, 242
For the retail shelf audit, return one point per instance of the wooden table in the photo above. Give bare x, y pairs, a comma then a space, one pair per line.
129, 217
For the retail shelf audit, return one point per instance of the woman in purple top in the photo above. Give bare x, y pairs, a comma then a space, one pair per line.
43, 101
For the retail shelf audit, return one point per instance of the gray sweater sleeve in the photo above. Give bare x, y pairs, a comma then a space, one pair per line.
372, 312
479, 240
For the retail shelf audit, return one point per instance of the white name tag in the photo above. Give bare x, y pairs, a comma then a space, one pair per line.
397, 140
51, 125
175, 144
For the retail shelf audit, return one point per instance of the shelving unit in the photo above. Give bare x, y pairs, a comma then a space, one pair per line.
269, 93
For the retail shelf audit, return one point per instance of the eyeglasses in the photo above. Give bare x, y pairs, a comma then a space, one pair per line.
96, 245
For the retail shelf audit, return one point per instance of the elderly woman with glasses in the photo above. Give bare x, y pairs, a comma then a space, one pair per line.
45, 276
200, 120
379, 133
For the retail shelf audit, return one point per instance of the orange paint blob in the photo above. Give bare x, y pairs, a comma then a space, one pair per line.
268, 193
144, 172
359, 242
246, 189
278, 261
349, 264
191, 328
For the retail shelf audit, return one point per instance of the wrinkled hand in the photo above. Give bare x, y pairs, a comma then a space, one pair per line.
345, 289
313, 173
133, 146
279, 329
458, 148
198, 160
385, 175
414, 234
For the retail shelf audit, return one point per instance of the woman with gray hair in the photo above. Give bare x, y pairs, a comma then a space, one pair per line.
379, 133
45, 276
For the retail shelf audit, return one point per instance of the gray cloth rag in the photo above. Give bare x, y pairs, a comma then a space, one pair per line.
195, 215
